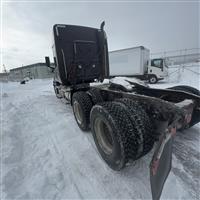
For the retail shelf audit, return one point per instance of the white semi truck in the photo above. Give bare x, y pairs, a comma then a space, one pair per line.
135, 62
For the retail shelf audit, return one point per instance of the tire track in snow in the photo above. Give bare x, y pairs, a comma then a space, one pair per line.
188, 159
61, 158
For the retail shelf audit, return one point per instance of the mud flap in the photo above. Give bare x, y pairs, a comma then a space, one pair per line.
161, 162
160, 165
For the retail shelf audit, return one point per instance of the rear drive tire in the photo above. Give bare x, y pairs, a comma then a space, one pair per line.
153, 79
115, 135
111, 129
82, 106
144, 129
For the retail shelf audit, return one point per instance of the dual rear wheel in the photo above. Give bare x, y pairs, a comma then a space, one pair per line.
121, 129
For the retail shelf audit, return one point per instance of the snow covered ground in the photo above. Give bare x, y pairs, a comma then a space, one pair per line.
44, 155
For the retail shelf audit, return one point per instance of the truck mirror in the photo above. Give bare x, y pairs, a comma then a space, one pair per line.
47, 61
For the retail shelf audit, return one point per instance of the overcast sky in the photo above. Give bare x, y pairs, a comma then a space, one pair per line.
159, 26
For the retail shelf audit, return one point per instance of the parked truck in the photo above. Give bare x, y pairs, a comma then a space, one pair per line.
135, 62
126, 122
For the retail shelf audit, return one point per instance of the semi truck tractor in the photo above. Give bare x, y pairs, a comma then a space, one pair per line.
127, 122
135, 62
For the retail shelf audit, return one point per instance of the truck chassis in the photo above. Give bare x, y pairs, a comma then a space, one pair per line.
127, 124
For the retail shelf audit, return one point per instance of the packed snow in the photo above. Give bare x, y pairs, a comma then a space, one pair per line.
44, 155
124, 81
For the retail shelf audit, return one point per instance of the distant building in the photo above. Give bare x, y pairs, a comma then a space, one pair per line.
4, 77
34, 71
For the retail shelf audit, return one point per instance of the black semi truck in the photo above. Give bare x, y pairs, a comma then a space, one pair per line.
126, 123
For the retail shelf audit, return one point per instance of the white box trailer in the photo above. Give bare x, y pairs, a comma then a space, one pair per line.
135, 62
127, 62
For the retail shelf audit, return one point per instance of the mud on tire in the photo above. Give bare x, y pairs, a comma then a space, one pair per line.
82, 106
